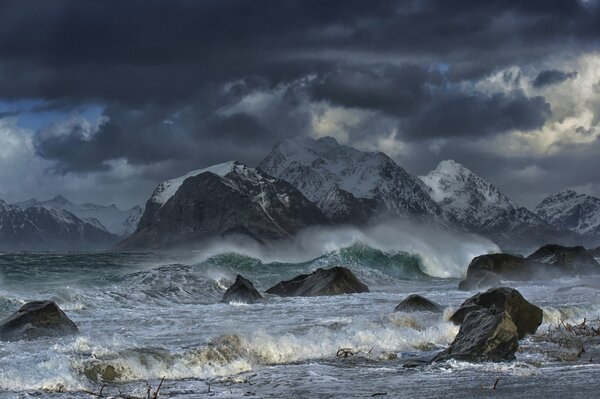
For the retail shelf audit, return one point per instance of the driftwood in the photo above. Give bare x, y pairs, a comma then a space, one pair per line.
150, 394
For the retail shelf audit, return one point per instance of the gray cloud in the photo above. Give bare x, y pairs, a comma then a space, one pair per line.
552, 77
186, 84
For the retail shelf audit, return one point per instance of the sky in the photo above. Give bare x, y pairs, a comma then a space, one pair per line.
102, 100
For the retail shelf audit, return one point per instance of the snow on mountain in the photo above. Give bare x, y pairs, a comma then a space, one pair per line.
225, 199
167, 189
572, 211
316, 167
110, 218
465, 197
42, 229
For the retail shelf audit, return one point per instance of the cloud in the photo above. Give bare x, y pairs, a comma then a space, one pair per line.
186, 84
552, 77
460, 114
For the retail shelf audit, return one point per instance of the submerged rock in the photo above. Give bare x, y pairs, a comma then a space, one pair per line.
242, 291
334, 281
576, 259
485, 334
526, 316
36, 320
417, 303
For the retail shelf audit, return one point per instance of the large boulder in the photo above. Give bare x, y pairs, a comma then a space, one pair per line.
417, 303
526, 317
36, 320
242, 291
485, 334
489, 270
334, 281
574, 259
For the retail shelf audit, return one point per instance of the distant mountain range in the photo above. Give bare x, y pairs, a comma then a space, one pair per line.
49, 229
109, 218
60, 225
304, 182
301, 183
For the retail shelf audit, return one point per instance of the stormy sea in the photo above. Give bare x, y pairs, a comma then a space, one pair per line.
145, 317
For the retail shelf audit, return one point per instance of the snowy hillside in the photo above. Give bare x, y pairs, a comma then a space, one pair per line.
465, 197
572, 211
318, 167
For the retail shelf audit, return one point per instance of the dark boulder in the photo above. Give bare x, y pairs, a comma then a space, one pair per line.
574, 259
242, 291
525, 316
489, 270
417, 303
36, 320
334, 281
485, 334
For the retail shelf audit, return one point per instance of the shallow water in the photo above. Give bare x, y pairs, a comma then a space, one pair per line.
146, 316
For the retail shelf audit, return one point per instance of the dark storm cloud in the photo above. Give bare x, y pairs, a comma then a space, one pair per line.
552, 77
394, 90
171, 74
460, 114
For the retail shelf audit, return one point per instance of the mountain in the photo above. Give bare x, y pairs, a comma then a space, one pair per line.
466, 198
363, 182
225, 199
476, 205
111, 218
571, 211
42, 229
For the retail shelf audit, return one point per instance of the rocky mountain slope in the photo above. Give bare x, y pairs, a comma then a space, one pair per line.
41, 229
224, 199
111, 218
571, 211
345, 182
471, 203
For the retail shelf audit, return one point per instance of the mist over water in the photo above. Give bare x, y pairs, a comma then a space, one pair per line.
443, 253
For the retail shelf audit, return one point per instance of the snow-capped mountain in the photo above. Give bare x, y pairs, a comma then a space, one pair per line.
319, 167
572, 211
49, 229
224, 199
476, 205
465, 197
110, 218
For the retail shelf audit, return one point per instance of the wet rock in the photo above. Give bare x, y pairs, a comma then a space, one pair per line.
334, 281
489, 270
417, 303
242, 291
524, 315
36, 320
575, 259
485, 334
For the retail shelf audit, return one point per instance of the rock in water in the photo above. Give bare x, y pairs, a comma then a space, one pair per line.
485, 334
576, 259
524, 315
36, 320
242, 291
334, 281
488, 270
417, 303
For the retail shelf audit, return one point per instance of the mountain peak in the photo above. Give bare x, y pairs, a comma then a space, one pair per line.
315, 167
59, 200
465, 196
570, 210
167, 189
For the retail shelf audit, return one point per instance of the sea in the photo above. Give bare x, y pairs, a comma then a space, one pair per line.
156, 319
